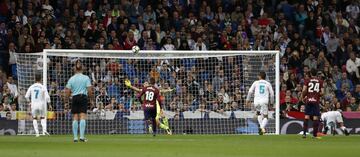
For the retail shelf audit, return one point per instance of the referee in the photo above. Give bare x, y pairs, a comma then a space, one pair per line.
80, 88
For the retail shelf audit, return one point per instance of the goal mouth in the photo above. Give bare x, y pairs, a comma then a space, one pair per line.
190, 75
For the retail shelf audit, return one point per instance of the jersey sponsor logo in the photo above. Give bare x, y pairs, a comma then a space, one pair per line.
149, 105
312, 100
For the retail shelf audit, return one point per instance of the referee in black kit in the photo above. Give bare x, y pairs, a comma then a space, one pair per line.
79, 85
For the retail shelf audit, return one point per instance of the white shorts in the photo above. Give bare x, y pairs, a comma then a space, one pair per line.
38, 111
262, 108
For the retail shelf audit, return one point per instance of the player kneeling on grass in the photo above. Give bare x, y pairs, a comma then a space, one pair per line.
160, 118
331, 119
262, 90
39, 97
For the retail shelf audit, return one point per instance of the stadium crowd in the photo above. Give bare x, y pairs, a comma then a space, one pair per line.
308, 33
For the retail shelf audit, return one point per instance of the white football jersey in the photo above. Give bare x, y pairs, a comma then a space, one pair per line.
39, 95
332, 116
262, 91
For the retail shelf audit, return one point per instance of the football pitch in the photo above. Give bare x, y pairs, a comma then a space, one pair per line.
180, 145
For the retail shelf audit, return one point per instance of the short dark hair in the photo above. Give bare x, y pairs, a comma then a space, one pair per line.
313, 72
78, 65
152, 81
262, 75
37, 77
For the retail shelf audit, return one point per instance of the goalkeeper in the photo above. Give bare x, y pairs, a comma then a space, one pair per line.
161, 119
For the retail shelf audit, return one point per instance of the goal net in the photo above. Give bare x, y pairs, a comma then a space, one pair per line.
207, 96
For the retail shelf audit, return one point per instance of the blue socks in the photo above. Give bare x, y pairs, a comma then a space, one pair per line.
75, 127
82, 128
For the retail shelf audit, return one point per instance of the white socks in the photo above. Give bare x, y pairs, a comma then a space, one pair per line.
260, 119
264, 122
35, 124
36, 127
43, 124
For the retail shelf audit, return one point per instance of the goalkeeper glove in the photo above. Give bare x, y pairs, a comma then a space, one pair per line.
127, 83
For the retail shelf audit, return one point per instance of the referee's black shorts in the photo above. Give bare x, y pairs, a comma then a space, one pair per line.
79, 104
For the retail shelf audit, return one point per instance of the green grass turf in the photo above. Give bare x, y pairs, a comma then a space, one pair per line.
180, 145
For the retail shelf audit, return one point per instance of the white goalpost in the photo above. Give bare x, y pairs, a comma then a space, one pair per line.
206, 90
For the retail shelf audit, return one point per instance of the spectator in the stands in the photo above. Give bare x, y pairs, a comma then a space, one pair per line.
345, 103
353, 106
344, 82
352, 67
12, 62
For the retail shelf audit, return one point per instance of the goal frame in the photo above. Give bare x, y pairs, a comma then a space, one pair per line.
65, 52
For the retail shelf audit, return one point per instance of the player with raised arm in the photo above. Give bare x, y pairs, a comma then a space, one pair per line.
39, 97
262, 91
312, 91
151, 96
161, 120
331, 119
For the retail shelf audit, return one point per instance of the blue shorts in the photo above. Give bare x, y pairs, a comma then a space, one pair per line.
150, 114
312, 109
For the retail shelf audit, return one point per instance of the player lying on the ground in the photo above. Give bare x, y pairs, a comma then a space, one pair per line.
262, 91
39, 97
161, 119
331, 119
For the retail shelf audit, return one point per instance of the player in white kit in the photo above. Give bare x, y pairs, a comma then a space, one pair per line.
331, 119
262, 91
38, 96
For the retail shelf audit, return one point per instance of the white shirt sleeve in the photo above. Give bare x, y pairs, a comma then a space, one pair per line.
251, 91
271, 92
47, 97
27, 95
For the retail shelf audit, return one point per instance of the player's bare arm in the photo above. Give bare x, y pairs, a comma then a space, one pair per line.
322, 91
67, 94
304, 92
250, 93
90, 90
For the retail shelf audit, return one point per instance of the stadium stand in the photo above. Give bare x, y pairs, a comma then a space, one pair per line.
308, 33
